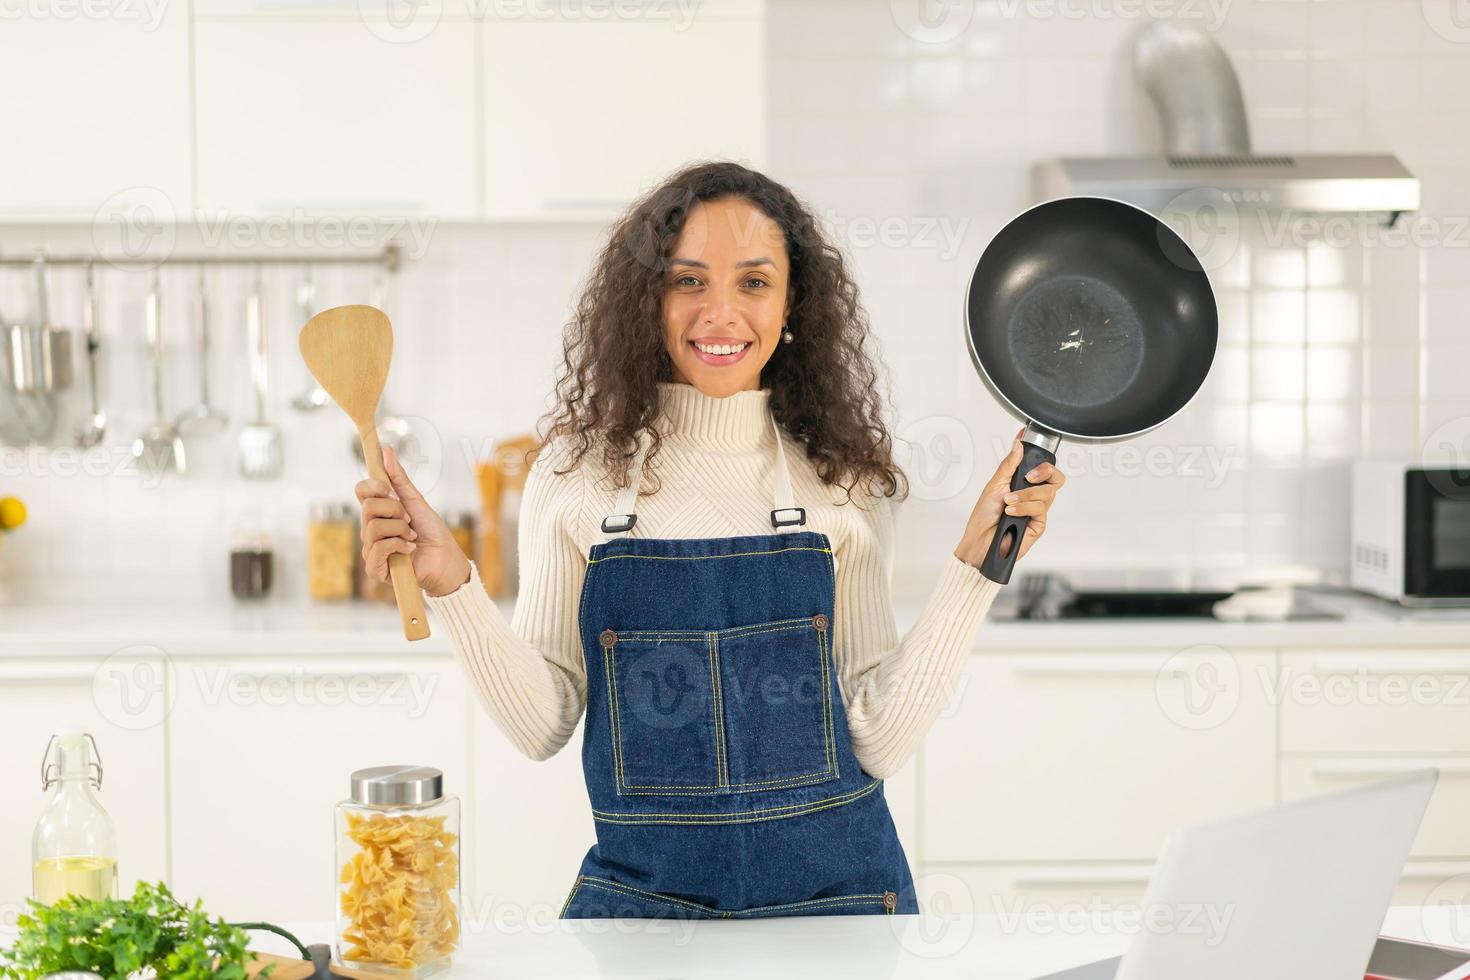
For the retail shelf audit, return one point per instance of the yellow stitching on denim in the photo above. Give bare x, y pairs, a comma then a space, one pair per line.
624, 787
722, 776
775, 625
813, 903
617, 887
821, 775
796, 810
612, 707
660, 636
576, 885
826, 696
733, 554
818, 775
752, 631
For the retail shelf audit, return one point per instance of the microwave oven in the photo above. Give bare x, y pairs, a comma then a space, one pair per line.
1411, 532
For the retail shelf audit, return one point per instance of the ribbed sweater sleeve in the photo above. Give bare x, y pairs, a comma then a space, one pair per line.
894, 687
528, 673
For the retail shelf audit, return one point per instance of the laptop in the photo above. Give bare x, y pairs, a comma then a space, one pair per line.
1296, 891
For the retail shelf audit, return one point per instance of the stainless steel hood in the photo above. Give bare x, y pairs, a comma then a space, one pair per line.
1207, 159
1313, 183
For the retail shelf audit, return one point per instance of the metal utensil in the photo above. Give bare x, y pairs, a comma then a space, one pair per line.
260, 442
314, 397
159, 449
90, 433
204, 418
1087, 318
40, 353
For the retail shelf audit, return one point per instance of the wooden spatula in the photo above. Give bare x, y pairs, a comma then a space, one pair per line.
348, 350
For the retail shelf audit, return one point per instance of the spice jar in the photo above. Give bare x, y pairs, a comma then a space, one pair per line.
398, 893
251, 560
331, 551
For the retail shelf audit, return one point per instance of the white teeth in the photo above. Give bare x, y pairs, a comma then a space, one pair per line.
720, 348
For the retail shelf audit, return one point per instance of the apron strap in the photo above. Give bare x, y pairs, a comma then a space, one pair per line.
785, 517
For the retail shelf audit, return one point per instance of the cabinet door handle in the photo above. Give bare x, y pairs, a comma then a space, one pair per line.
313, 671
1083, 874
1392, 663
38, 674
1387, 767
1064, 665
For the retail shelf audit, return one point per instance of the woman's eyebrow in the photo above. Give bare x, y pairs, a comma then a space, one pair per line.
705, 265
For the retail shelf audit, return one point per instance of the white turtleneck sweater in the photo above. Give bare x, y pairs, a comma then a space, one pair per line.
714, 477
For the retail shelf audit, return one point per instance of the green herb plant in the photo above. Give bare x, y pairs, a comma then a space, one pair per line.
117, 937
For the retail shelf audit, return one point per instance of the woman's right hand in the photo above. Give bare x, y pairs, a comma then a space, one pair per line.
397, 518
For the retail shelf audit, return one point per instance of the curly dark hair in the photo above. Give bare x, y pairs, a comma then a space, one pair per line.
824, 386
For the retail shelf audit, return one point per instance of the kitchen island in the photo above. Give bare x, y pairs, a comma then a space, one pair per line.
932, 945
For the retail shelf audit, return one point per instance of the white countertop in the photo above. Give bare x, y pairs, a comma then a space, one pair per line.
366, 629
932, 945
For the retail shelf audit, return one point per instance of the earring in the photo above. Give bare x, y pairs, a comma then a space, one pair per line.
786, 336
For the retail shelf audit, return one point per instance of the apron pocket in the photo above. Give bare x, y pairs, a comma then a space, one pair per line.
775, 696
663, 708
737, 710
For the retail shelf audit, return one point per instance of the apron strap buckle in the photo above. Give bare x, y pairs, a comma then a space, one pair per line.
619, 523
788, 521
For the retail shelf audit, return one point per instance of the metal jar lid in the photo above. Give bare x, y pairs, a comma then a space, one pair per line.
397, 785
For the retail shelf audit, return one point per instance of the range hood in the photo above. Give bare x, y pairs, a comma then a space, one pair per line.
1208, 159
1323, 183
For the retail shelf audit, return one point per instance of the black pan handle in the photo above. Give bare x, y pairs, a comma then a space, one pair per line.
1012, 528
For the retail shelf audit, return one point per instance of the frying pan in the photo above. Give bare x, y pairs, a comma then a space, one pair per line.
1089, 319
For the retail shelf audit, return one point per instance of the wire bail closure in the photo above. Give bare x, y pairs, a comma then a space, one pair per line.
48, 780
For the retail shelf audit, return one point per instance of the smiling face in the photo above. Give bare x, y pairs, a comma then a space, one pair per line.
726, 296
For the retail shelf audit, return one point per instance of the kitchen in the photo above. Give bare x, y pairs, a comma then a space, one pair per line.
432, 160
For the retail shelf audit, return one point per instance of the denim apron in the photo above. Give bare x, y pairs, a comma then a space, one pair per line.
715, 747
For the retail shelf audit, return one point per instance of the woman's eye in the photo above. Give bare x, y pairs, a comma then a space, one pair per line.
756, 282
686, 281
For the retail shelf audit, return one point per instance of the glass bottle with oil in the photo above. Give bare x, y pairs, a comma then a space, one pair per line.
74, 849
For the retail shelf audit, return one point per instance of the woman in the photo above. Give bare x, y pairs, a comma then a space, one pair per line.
732, 642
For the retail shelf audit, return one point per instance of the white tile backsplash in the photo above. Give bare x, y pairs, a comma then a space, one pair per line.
1327, 351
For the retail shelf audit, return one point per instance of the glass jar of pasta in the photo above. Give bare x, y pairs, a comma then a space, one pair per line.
398, 872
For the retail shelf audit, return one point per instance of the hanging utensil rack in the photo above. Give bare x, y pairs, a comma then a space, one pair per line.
390, 258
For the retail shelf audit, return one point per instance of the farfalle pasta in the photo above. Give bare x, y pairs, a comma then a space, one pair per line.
397, 891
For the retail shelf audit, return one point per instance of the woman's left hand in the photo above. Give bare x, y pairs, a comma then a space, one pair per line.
1032, 502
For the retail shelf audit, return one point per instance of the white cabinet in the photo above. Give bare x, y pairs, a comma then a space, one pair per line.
96, 114
261, 752
310, 117
1445, 830
1375, 701
1093, 755
581, 116
532, 824
121, 701
1018, 888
